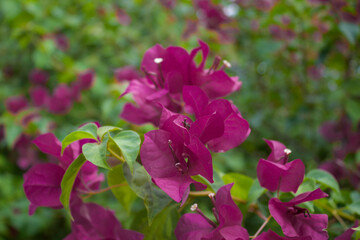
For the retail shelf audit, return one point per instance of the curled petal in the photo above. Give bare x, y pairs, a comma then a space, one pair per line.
277, 150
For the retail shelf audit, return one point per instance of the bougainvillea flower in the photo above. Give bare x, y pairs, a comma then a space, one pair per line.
225, 116
297, 221
213, 81
86, 79
172, 155
15, 104
38, 76
121, 16
93, 222
270, 235
126, 73
348, 233
212, 15
228, 220
167, 71
42, 181
149, 101
27, 155
61, 100
39, 95
276, 173
61, 41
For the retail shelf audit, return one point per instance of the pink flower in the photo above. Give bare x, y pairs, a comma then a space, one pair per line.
296, 221
42, 181
167, 71
126, 73
93, 222
173, 154
38, 76
228, 220
15, 104
276, 173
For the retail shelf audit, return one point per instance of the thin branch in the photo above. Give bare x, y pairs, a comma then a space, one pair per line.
261, 227
104, 190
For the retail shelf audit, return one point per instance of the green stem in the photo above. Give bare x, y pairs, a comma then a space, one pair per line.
336, 211
116, 156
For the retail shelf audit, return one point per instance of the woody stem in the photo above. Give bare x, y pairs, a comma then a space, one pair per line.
262, 227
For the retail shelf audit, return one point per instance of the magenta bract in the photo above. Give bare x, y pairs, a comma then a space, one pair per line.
38, 76
276, 173
219, 121
173, 154
296, 221
15, 104
93, 222
42, 181
228, 226
167, 71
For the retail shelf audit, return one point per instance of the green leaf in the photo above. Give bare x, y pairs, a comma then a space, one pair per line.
88, 131
242, 184
101, 131
140, 182
204, 181
354, 207
164, 224
128, 146
96, 153
255, 191
68, 180
353, 109
324, 178
350, 30
123, 194
309, 184
213, 187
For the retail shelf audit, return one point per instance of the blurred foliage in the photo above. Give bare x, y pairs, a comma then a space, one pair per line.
293, 80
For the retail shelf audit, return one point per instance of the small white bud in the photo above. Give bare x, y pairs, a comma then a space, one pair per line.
211, 195
287, 151
227, 64
194, 207
158, 60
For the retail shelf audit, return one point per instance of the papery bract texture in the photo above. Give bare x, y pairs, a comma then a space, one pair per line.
167, 71
195, 226
220, 118
172, 155
93, 222
276, 173
42, 183
296, 221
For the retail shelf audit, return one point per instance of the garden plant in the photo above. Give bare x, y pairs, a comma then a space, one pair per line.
180, 119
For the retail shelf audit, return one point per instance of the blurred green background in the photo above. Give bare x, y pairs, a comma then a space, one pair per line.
298, 62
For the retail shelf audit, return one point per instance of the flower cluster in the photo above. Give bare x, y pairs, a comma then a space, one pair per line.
346, 141
59, 102
177, 151
277, 174
61, 99
167, 71
42, 181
